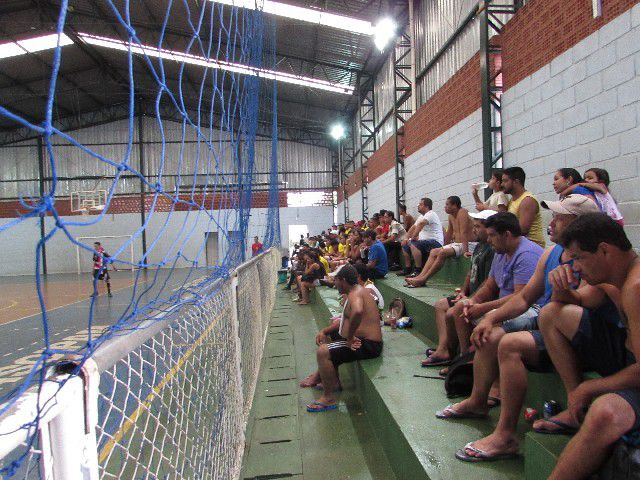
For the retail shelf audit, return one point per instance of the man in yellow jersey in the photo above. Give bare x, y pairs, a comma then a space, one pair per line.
523, 204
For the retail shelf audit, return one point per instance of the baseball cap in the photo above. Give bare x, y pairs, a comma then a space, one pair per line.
572, 205
483, 215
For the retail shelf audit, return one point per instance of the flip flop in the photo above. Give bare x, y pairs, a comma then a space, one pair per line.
481, 455
412, 286
564, 429
493, 402
449, 413
323, 407
429, 351
434, 361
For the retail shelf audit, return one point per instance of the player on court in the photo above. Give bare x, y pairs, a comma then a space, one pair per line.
100, 270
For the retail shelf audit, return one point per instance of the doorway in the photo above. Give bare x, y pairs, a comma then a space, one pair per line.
294, 234
211, 248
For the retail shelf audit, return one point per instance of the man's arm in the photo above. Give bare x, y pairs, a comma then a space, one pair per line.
527, 214
465, 230
563, 280
419, 225
448, 234
356, 309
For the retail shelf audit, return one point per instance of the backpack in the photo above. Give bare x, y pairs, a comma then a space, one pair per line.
459, 380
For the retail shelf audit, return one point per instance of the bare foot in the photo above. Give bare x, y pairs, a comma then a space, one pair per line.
560, 422
416, 281
495, 444
311, 380
303, 303
467, 406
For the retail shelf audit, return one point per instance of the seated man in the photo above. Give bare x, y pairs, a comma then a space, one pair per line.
598, 332
392, 242
407, 218
425, 235
356, 336
376, 255
458, 233
514, 347
447, 309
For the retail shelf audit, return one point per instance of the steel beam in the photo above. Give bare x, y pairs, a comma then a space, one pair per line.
401, 109
367, 119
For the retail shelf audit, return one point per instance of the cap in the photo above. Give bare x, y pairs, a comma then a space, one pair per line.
572, 205
483, 215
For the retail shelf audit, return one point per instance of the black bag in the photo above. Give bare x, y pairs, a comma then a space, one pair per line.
623, 464
459, 380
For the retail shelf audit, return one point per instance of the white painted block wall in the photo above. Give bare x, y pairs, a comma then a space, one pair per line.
18, 244
582, 110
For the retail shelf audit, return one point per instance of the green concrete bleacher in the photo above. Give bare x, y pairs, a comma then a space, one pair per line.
402, 400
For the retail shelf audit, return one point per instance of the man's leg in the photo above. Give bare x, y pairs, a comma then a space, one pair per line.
515, 350
406, 254
437, 257
328, 376
485, 371
305, 287
417, 257
444, 351
559, 323
609, 417
462, 327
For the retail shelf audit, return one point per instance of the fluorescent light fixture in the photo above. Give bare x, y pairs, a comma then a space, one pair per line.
32, 45
211, 63
309, 15
384, 32
337, 131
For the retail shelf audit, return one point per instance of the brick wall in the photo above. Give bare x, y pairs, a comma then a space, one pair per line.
582, 108
543, 29
131, 204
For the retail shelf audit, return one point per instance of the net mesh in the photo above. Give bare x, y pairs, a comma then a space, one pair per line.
174, 406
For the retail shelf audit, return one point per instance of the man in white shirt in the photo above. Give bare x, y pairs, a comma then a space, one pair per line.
425, 235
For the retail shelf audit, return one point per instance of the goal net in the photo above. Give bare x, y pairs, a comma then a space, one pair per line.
162, 381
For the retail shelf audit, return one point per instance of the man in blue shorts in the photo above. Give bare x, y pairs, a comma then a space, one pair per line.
598, 330
425, 235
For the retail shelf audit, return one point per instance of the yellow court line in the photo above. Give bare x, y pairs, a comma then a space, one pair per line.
130, 421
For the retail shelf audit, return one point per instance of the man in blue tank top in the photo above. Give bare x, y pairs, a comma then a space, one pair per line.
515, 350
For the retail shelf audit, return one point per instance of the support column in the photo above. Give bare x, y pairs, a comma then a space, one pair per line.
141, 169
43, 232
401, 109
368, 146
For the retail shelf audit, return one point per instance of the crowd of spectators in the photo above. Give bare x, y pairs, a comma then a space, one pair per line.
571, 307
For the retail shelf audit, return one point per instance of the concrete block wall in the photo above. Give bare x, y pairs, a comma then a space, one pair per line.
581, 110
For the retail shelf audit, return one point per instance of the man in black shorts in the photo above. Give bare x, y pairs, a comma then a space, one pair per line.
100, 268
601, 332
354, 336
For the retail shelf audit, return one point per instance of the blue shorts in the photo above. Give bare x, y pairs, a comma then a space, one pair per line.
425, 246
525, 322
599, 342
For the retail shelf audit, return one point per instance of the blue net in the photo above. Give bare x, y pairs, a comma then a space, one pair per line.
196, 182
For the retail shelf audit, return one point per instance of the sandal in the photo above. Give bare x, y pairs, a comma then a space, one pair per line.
481, 455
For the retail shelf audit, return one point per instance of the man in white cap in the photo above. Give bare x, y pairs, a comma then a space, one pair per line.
513, 352
449, 308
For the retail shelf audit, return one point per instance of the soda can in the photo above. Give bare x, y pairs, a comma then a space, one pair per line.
530, 414
551, 409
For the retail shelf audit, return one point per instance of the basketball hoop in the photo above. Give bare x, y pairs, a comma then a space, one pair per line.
87, 202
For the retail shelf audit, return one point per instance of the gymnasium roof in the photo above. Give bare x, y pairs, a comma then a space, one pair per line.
93, 81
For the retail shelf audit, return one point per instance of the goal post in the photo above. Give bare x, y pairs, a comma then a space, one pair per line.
110, 244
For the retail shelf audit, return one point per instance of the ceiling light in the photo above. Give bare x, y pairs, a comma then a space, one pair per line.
181, 57
384, 32
32, 45
337, 131
309, 15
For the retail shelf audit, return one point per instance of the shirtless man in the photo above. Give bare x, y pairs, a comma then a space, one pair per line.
356, 336
599, 331
456, 237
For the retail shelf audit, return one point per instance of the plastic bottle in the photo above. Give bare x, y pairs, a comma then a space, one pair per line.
480, 185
